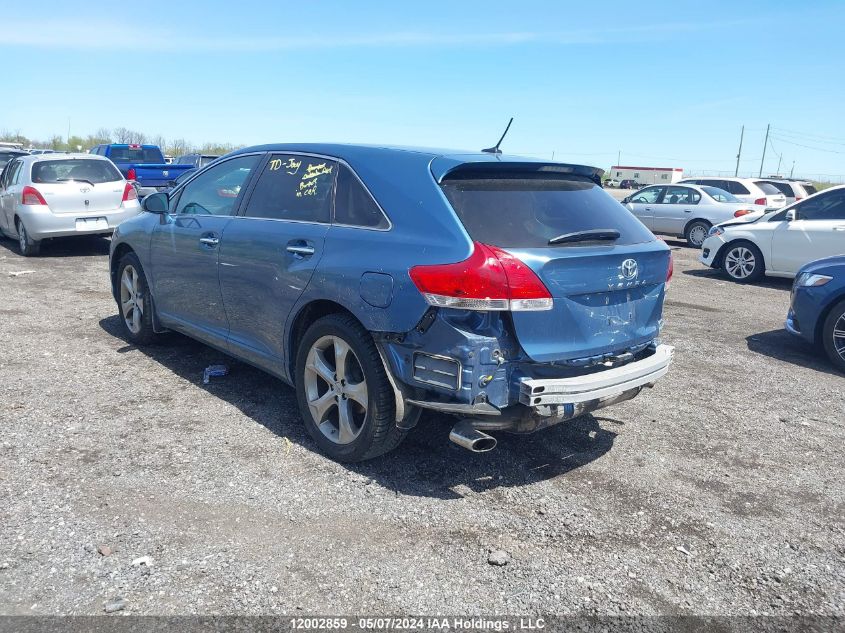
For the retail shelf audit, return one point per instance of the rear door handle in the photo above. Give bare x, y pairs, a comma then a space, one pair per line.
839, 228
209, 241
303, 251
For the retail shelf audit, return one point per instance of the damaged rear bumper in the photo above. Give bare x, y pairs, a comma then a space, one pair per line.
549, 401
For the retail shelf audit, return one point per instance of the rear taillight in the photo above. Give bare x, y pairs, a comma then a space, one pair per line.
741, 212
797, 198
31, 195
489, 279
762, 201
131, 174
129, 192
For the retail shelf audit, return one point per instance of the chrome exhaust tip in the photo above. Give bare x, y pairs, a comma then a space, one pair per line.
466, 435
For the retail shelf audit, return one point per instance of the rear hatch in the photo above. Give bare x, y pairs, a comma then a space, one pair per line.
607, 288
79, 185
774, 197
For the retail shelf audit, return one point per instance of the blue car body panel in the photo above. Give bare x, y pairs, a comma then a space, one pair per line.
152, 174
246, 295
810, 305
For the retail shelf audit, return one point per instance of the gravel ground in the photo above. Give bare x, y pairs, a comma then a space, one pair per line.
720, 491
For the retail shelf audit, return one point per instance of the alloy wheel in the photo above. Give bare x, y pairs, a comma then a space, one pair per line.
335, 389
740, 262
839, 337
131, 300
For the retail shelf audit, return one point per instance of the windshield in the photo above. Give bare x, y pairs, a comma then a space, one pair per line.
527, 210
720, 195
136, 155
82, 169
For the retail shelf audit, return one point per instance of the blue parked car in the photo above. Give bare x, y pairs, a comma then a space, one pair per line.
817, 311
510, 293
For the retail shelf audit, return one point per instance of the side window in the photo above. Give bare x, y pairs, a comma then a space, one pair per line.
695, 197
15, 172
678, 195
292, 187
830, 206
353, 205
649, 195
736, 188
216, 191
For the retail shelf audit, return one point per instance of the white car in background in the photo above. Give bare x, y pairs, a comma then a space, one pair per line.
752, 190
794, 190
780, 243
687, 211
59, 195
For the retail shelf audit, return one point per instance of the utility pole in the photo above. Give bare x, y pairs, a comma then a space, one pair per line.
765, 143
739, 153
792, 171
780, 158
68, 131
619, 158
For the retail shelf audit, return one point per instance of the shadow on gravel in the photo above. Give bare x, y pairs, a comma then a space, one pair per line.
426, 464
781, 345
64, 247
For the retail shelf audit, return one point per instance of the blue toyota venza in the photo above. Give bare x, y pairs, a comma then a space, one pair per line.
509, 293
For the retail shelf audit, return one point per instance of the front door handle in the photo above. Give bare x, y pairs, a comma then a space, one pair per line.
209, 241
839, 228
648, 208
687, 210
303, 251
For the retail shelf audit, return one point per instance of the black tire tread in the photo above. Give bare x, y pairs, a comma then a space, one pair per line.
147, 334
827, 335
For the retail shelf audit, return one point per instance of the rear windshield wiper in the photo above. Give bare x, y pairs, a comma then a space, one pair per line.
593, 235
74, 180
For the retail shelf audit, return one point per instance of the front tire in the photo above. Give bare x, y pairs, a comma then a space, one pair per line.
28, 246
134, 301
344, 395
833, 336
696, 233
743, 262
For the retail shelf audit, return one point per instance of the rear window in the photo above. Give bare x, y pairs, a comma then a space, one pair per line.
85, 169
136, 155
205, 160
770, 189
5, 157
528, 210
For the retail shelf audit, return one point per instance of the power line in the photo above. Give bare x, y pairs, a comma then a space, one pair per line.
821, 138
818, 149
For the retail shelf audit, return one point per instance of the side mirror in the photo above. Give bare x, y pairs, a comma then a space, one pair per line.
626, 200
790, 215
157, 203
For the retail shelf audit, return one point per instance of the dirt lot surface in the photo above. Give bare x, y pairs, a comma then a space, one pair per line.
720, 491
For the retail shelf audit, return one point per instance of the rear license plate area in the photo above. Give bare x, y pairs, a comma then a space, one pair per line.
92, 224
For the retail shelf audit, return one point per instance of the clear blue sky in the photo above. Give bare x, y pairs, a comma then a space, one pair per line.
667, 84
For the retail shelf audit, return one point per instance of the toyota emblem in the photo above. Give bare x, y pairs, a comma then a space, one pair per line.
629, 268
85, 190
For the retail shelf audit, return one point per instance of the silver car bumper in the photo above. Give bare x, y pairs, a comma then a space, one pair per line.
41, 223
603, 385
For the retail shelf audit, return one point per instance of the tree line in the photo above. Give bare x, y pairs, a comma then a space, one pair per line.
172, 147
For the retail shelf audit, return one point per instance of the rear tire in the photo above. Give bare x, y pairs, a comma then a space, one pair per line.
28, 247
833, 336
134, 302
348, 408
743, 262
696, 233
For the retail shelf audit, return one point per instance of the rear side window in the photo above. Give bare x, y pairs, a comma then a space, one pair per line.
83, 169
519, 210
810, 189
353, 205
292, 187
783, 187
136, 155
736, 188
770, 189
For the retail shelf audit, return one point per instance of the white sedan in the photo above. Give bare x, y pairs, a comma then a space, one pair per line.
687, 211
780, 243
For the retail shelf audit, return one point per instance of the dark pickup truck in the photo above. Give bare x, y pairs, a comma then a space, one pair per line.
142, 163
